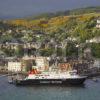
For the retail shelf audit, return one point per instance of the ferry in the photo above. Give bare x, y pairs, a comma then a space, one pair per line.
36, 78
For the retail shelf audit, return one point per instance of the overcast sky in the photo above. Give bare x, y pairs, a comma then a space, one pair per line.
20, 8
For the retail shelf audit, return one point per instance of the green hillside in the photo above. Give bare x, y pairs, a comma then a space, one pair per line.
79, 24
68, 12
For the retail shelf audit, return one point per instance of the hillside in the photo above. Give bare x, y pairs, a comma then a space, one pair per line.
79, 11
81, 26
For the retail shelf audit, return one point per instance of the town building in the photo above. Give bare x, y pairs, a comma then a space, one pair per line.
87, 53
96, 63
63, 67
98, 23
42, 63
94, 40
28, 63
14, 66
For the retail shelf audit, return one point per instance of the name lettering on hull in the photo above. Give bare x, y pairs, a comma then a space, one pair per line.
51, 82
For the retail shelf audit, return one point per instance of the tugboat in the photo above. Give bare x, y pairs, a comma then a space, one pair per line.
36, 78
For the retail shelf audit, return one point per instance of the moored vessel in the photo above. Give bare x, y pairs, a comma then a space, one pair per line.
37, 78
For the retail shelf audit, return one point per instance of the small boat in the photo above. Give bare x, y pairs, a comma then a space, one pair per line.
65, 78
95, 79
10, 79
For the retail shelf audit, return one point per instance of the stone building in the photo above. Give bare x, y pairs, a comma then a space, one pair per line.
98, 23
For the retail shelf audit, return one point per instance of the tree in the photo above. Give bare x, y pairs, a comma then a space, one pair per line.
46, 51
71, 49
19, 51
95, 48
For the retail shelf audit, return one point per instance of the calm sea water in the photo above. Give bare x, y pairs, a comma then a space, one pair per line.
90, 91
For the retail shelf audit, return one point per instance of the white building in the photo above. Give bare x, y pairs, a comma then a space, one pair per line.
94, 40
14, 66
98, 23
42, 63
96, 63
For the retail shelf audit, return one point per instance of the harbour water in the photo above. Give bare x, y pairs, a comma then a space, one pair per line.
89, 91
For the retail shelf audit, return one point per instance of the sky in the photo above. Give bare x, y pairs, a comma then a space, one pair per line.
22, 8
